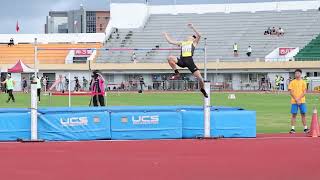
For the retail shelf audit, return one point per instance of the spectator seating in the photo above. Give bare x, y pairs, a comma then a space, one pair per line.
25, 52
311, 52
222, 31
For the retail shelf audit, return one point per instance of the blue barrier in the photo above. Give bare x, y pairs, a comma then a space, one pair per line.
135, 124
126, 122
60, 124
224, 123
14, 124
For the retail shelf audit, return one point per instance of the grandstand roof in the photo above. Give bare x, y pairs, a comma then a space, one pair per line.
53, 38
166, 2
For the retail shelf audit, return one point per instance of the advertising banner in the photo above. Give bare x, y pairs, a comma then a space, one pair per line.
74, 124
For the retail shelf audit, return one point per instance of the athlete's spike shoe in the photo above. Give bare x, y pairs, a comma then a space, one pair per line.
175, 76
204, 92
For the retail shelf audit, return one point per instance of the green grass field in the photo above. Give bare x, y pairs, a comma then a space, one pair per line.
272, 109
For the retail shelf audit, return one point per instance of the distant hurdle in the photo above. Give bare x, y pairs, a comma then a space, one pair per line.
206, 103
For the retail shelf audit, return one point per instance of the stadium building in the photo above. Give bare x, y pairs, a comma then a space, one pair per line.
77, 21
221, 24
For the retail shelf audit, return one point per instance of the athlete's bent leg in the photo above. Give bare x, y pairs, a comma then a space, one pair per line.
172, 60
198, 75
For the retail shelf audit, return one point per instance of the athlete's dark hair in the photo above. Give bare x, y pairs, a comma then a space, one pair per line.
194, 36
298, 70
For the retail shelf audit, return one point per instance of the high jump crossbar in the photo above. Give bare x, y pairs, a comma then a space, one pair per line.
117, 49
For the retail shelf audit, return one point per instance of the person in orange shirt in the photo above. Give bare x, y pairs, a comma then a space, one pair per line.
298, 89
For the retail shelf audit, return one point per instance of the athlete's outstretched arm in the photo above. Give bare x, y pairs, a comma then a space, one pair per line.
170, 39
198, 35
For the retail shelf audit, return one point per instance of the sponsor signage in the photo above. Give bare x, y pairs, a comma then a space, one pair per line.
285, 51
139, 120
83, 52
74, 121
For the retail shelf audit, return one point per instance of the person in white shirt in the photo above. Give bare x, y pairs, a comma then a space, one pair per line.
134, 57
249, 51
235, 49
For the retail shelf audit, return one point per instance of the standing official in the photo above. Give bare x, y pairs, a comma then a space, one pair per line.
10, 83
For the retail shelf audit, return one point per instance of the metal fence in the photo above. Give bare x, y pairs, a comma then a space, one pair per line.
165, 85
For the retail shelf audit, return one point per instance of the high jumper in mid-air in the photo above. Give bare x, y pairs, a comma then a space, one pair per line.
186, 57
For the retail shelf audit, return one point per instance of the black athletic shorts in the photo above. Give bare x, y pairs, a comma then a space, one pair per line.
187, 62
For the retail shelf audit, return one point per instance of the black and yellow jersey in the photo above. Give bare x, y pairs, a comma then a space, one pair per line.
187, 48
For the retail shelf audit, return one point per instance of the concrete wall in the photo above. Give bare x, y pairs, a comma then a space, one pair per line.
236, 81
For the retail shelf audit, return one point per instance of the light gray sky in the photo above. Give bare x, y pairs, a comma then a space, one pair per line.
31, 14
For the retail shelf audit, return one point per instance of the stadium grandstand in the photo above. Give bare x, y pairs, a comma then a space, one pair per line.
222, 30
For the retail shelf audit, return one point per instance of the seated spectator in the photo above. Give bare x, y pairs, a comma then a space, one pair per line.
269, 30
11, 42
249, 51
134, 57
273, 31
116, 31
280, 32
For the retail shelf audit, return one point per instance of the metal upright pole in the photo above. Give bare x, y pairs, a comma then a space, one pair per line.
35, 63
206, 102
207, 111
205, 59
34, 100
69, 87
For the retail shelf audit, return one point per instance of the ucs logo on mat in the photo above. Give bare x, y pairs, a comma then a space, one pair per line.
136, 120
74, 121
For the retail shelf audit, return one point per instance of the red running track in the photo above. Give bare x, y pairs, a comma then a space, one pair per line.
263, 158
